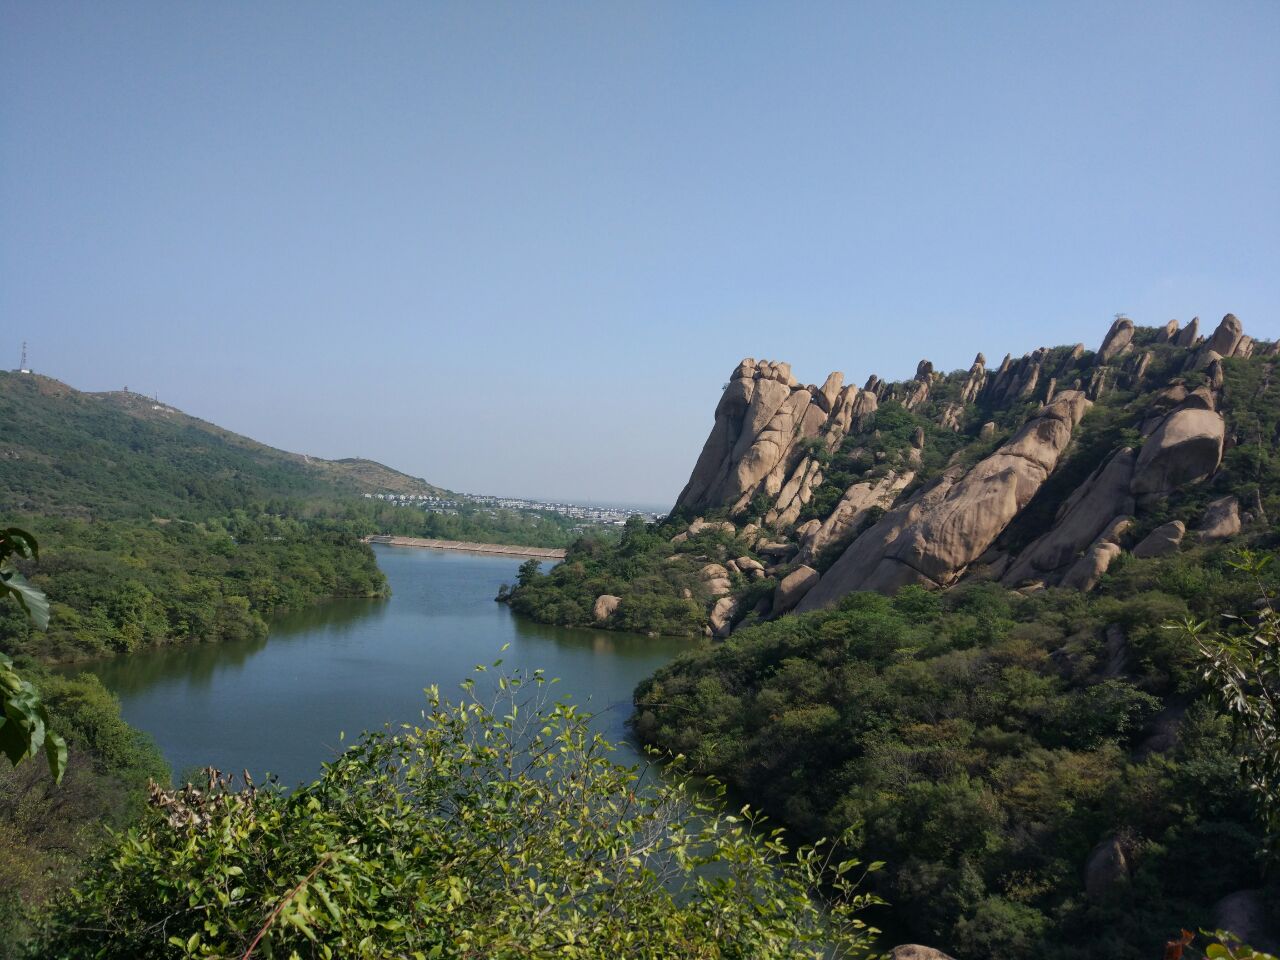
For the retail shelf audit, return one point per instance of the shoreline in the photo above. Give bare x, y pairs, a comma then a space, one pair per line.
465, 546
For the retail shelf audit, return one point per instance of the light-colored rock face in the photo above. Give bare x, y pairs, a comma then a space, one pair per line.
776, 444
1087, 512
851, 512
1184, 449
1088, 570
699, 525
914, 951
934, 537
604, 606
1221, 520
1117, 340
1190, 333
793, 586
722, 616
1226, 337
1162, 541
795, 493
756, 443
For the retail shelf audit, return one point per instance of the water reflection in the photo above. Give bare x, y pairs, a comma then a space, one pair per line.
278, 704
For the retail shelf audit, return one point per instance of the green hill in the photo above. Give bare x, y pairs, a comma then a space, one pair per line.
120, 454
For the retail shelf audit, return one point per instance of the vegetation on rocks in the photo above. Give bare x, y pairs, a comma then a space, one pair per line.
658, 582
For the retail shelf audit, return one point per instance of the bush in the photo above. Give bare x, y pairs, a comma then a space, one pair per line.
498, 830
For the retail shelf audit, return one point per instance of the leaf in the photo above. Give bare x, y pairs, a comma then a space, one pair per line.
32, 600
55, 749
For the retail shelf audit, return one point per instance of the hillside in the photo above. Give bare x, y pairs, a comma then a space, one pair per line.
1039, 473
121, 454
945, 612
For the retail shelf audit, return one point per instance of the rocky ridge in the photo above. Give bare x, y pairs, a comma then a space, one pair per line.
836, 489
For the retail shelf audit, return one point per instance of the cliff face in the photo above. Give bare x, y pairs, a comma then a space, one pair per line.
945, 477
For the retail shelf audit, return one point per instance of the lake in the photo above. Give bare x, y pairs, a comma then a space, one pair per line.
278, 705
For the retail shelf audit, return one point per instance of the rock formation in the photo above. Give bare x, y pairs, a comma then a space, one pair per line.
604, 606
793, 587
1185, 447
1162, 541
1095, 504
1117, 340
932, 539
1221, 520
780, 457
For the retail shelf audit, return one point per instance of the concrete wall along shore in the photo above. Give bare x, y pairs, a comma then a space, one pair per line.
545, 553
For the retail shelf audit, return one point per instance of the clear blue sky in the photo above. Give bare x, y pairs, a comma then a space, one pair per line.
518, 248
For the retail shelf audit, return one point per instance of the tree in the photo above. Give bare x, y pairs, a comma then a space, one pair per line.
528, 572
24, 721
1242, 664
496, 829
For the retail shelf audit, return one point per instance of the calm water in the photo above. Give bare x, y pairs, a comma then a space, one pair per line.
351, 665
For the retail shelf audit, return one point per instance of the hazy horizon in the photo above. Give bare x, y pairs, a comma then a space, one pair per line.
518, 250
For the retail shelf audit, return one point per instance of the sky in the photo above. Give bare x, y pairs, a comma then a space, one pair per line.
518, 248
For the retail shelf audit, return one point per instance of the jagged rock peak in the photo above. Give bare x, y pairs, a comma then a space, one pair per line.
979, 361
1117, 340
1189, 334
1226, 337
924, 371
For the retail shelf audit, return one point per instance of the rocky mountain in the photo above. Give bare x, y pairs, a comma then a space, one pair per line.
119, 453
1036, 473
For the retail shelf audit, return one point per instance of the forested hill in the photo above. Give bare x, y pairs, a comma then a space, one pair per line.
122, 455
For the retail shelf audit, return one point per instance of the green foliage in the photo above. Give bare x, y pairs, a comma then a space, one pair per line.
118, 456
24, 720
1242, 667
987, 742
48, 830
491, 829
468, 522
117, 586
636, 568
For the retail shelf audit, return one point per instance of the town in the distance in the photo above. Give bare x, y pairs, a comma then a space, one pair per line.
588, 514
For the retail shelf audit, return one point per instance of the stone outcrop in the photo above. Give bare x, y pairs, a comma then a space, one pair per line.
777, 448
1088, 570
1190, 334
1117, 340
761, 424
914, 951
1184, 449
1106, 870
1226, 338
722, 616
1221, 520
932, 539
604, 606
1162, 541
1086, 513
852, 510
793, 587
